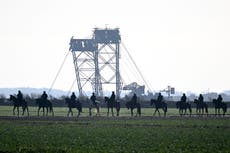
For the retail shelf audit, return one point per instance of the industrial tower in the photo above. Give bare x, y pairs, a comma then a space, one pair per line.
96, 61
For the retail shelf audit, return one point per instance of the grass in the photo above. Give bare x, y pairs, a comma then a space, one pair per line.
123, 134
133, 135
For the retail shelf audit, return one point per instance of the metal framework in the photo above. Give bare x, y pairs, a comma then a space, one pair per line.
96, 61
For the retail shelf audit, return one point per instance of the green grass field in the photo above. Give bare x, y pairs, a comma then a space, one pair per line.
114, 134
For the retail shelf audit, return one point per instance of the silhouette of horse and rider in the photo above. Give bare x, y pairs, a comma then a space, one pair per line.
134, 104
201, 106
19, 101
112, 103
73, 103
219, 104
94, 103
43, 103
159, 104
183, 105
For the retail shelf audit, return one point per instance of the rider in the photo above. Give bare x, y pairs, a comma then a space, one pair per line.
44, 96
201, 98
73, 97
112, 97
93, 98
20, 96
134, 99
183, 98
159, 98
219, 99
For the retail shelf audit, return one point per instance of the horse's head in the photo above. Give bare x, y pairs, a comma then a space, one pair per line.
67, 100
214, 101
196, 101
177, 104
152, 101
37, 100
106, 99
13, 98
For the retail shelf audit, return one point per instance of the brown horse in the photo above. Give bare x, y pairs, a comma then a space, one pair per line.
219, 105
159, 105
73, 104
111, 105
201, 107
19, 103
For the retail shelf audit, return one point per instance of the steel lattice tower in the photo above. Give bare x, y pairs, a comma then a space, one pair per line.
96, 61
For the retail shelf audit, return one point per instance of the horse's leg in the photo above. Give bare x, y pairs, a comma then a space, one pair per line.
38, 110
108, 111
158, 112
131, 111
112, 111
98, 110
43, 111
155, 112
70, 110
47, 110
90, 112
18, 111
164, 112
52, 111
14, 110
79, 112
27, 109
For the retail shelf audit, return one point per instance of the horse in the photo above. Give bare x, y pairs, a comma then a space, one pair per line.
73, 104
111, 105
95, 104
200, 107
219, 105
44, 104
17, 103
158, 105
132, 105
183, 106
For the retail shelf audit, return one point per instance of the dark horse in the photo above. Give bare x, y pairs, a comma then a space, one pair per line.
44, 104
19, 103
219, 105
158, 105
132, 105
73, 104
200, 107
183, 106
111, 105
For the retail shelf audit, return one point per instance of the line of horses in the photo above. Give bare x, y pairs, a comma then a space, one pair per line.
184, 107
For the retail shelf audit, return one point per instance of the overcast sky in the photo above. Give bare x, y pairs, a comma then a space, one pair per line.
182, 43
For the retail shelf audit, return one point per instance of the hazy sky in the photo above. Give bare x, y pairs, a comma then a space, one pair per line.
182, 43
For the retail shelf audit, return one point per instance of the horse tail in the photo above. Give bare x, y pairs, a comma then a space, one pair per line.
225, 107
166, 108
139, 109
206, 108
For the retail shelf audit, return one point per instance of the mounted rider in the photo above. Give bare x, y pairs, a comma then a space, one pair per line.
201, 99
183, 98
19, 96
219, 99
112, 98
73, 97
134, 99
93, 98
160, 98
44, 96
